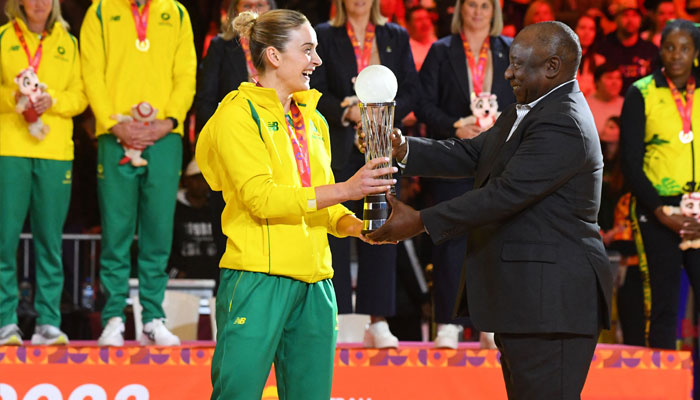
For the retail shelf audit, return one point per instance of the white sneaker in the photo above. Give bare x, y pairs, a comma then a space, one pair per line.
48, 335
448, 336
113, 333
378, 336
487, 341
10, 335
155, 333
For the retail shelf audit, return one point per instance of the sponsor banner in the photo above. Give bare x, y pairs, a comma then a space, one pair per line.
414, 371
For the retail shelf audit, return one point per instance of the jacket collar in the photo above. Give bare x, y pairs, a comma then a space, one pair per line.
267, 98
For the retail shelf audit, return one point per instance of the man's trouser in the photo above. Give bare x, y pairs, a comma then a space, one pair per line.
43, 188
137, 200
263, 319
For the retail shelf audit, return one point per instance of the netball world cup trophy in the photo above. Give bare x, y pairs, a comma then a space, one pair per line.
376, 88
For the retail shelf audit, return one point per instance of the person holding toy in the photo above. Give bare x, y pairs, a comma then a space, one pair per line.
267, 148
40, 83
462, 78
660, 116
136, 51
358, 36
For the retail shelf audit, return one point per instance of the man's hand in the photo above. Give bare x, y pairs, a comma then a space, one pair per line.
43, 103
403, 223
398, 143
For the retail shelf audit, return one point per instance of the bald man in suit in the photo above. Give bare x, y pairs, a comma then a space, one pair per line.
535, 272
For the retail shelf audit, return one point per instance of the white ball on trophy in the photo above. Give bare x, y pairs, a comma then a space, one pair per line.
376, 84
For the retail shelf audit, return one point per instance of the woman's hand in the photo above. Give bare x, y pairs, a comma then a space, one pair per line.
687, 227
43, 103
468, 131
369, 179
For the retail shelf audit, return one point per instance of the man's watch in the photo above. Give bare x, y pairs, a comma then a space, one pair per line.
174, 121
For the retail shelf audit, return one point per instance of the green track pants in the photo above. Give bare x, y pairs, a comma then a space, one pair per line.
137, 200
42, 188
263, 319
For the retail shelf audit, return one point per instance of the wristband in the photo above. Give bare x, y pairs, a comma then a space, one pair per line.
174, 121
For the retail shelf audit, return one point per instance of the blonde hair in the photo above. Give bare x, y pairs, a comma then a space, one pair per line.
272, 29
340, 17
227, 32
15, 10
496, 19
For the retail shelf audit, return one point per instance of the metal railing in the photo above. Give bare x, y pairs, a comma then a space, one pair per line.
77, 238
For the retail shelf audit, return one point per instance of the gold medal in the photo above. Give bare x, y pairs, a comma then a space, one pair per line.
143, 45
685, 137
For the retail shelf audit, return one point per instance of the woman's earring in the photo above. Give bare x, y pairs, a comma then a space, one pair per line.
695, 62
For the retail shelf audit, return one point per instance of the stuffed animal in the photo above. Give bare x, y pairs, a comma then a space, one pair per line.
690, 207
484, 112
142, 112
29, 90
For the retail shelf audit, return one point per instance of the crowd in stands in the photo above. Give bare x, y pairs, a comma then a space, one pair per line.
82, 169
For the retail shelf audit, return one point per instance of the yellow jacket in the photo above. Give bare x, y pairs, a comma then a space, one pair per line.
118, 76
60, 71
271, 221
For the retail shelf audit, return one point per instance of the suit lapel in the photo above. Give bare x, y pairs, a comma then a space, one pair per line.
459, 64
499, 134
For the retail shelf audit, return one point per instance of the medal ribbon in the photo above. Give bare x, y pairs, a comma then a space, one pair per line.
36, 59
477, 67
686, 111
245, 45
297, 135
299, 143
141, 19
363, 54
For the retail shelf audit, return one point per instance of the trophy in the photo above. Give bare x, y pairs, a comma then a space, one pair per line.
376, 88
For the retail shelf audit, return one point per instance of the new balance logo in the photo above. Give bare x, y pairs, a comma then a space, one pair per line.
273, 125
239, 321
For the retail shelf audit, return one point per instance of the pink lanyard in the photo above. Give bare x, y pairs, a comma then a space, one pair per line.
245, 45
362, 55
478, 68
297, 135
36, 59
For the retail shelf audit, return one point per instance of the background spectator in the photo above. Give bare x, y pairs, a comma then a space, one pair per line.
227, 63
634, 57
450, 78
664, 12
138, 199
422, 33
659, 165
356, 37
538, 11
35, 164
587, 32
606, 101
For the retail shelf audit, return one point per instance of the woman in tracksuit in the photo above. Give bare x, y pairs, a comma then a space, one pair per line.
268, 150
36, 174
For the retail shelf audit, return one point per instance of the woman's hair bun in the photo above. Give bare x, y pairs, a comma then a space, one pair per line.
243, 23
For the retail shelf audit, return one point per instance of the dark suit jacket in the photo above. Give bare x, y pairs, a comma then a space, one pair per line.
222, 70
535, 261
334, 79
446, 97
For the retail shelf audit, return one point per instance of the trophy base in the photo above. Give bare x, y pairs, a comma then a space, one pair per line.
375, 212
